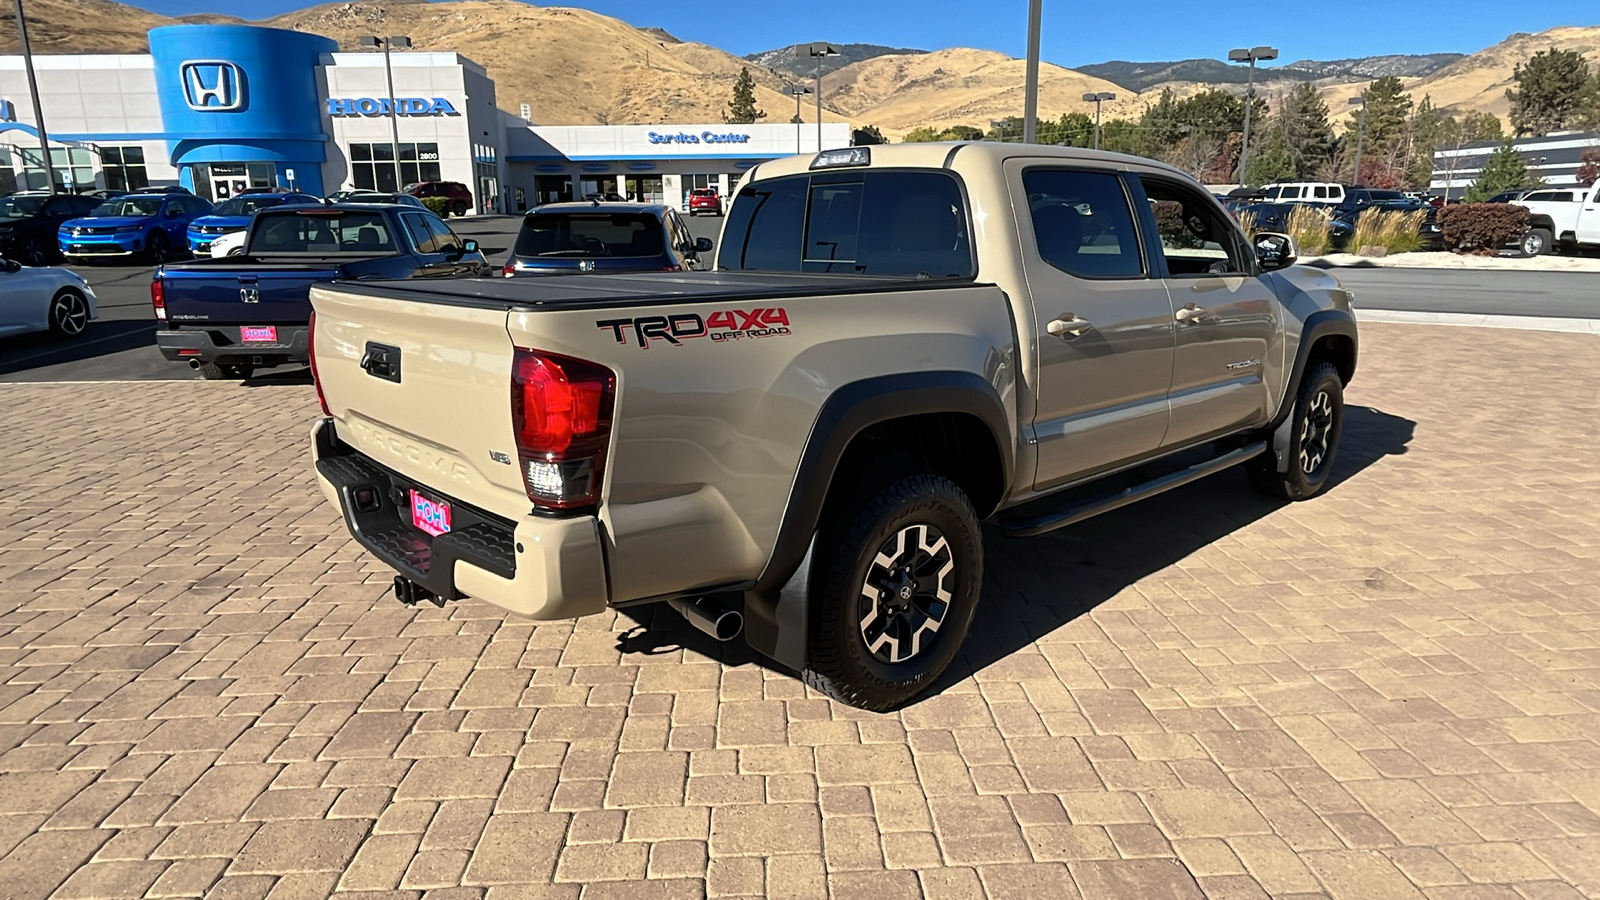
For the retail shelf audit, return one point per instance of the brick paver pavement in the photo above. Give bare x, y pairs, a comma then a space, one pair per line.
1390, 692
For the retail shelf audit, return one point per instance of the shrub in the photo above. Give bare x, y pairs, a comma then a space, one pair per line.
439, 206
1395, 231
1308, 225
1481, 227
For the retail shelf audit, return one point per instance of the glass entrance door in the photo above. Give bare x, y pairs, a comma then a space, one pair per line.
219, 181
645, 188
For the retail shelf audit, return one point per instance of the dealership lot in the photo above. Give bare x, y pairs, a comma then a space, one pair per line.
1393, 691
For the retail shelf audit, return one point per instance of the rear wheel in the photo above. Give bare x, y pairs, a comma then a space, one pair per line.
459, 208
903, 574
1537, 242
69, 314
1313, 440
35, 253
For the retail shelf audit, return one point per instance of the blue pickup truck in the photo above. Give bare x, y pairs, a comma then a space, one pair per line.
227, 317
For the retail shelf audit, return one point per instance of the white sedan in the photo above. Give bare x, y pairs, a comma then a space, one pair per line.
231, 244
44, 299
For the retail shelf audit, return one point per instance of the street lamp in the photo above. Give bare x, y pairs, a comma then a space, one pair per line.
799, 92
391, 43
819, 49
1250, 56
38, 111
1361, 132
999, 125
1097, 99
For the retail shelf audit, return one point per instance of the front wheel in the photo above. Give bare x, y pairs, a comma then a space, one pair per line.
902, 580
459, 209
1537, 242
69, 314
1313, 440
34, 253
158, 248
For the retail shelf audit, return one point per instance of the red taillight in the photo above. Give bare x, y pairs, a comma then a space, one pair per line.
311, 351
158, 299
509, 269
561, 413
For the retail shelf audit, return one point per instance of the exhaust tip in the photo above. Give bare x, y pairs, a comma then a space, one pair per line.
728, 625
710, 617
194, 363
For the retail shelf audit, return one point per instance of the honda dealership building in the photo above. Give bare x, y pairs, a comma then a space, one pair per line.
221, 108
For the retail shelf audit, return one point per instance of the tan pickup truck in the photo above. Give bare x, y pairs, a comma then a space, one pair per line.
898, 343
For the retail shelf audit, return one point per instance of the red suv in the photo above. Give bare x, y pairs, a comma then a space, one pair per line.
460, 198
704, 200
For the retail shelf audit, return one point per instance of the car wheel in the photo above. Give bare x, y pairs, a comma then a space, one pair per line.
1537, 242
210, 371
1313, 440
158, 249
459, 209
901, 584
236, 251
69, 314
35, 253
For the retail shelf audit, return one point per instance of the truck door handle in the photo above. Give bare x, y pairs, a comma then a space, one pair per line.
1190, 315
1068, 326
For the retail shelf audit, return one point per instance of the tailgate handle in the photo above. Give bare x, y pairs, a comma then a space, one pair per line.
249, 279
382, 361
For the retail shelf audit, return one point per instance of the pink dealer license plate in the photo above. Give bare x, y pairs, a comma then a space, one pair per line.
259, 334
432, 516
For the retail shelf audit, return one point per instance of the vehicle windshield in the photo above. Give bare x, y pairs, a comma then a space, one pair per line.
247, 205
322, 232
590, 235
20, 207
128, 206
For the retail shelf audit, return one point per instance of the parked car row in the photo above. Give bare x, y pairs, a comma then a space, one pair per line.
1273, 215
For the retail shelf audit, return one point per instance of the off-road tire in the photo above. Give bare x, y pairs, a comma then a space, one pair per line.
1316, 424
841, 664
69, 314
1537, 242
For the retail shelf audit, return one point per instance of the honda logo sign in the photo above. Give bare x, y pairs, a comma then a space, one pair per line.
211, 85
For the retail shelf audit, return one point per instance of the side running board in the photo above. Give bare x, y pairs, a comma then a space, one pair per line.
1028, 526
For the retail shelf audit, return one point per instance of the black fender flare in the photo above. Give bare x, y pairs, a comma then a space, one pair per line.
1321, 324
777, 606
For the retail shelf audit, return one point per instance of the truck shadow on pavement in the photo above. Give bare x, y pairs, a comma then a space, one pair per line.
1034, 586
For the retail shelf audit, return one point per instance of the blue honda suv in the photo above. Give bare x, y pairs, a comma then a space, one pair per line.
234, 214
147, 223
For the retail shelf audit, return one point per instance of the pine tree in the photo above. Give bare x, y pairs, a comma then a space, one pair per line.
1273, 161
1552, 90
1503, 171
1306, 131
742, 108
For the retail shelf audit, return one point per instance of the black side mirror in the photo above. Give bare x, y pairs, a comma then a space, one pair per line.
1275, 251
702, 245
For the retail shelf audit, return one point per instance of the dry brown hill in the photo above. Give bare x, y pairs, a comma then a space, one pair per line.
80, 26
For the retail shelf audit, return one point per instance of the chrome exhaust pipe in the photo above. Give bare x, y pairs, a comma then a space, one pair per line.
710, 617
194, 363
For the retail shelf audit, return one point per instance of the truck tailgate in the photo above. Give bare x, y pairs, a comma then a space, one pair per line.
441, 418
253, 295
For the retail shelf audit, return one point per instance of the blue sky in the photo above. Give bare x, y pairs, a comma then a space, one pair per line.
1074, 33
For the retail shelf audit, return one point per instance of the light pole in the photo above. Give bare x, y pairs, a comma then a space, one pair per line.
1361, 132
1030, 95
818, 50
38, 111
1097, 99
799, 92
388, 43
1250, 56
999, 125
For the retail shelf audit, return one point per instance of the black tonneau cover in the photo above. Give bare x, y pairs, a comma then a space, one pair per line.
639, 288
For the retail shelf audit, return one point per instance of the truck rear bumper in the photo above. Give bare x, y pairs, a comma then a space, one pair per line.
537, 567
224, 344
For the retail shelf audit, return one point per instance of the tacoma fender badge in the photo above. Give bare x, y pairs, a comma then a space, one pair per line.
1243, 364
499, 457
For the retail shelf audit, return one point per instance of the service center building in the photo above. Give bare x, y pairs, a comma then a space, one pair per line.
221, 108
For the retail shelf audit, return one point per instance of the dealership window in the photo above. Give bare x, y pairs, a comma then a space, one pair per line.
124, 168
372, 165
74, 166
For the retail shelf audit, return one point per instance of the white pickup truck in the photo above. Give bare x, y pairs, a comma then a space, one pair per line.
1568, 218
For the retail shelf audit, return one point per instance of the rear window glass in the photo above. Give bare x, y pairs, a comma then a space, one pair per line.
591, 235
347, 232
874, 223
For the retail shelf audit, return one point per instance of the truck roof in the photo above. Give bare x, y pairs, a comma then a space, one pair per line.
942, 154
601, 206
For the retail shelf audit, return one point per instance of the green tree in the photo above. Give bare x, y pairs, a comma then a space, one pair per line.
1120, 136
1503, 171
872, 133
1303, 116
954, 133
1272, 160
1385, 145
1481, 126
922, 135
1553, 88
1073, 129
742, 108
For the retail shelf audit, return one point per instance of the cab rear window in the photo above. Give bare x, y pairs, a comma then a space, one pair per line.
591, 235
862, 223
322, 232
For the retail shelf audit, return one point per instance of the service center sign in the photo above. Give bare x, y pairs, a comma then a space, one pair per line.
704, 137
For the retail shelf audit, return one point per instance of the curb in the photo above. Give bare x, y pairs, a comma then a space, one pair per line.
1520, 323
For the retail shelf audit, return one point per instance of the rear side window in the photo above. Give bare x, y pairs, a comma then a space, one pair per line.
1321, 192
591, 235
1082, 223
345, 232
1290, 193
874, 223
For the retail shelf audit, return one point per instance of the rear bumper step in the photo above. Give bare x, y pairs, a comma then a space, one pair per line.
1074, 512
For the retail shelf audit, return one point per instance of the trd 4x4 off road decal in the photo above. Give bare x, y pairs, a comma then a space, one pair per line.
724, 325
